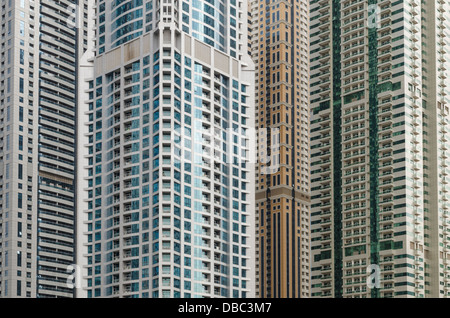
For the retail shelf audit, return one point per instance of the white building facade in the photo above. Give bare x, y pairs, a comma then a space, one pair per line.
40, 44
168, 207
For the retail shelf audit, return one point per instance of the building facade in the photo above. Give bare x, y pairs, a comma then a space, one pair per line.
279, 46
169, 204
379, 136
39, 46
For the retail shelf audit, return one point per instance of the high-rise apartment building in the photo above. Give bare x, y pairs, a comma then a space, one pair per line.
379, 157
279, 46
169, 206
38, 57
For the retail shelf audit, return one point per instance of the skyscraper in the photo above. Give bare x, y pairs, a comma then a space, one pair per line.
169, 203
280, 50
379, 136
39, 48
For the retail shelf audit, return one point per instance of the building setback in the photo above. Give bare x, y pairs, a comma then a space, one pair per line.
169, 203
